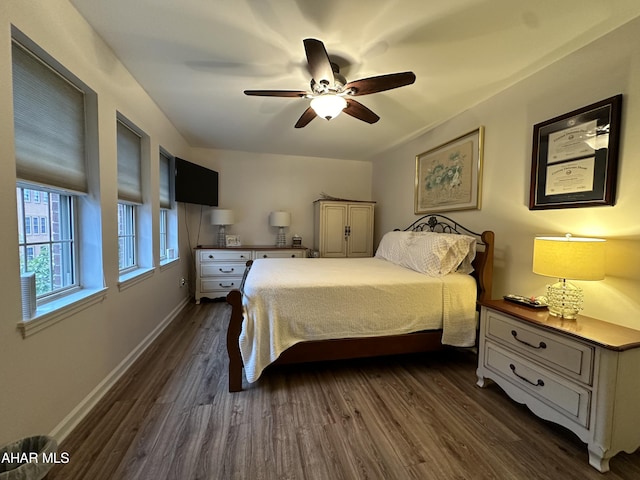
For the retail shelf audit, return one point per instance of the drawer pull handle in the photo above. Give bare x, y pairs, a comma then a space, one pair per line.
540, 345
265, 256
226, 271
539, 383
222, 285
210, 256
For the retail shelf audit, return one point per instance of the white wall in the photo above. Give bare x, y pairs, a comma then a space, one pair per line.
252, 185
46, 376
603, 69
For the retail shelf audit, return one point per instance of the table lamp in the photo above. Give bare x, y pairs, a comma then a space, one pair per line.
221, 217
280, 219
572, 258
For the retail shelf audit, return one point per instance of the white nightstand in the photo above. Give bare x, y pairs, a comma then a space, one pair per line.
583, 374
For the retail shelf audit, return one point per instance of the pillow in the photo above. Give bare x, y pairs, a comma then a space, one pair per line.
434, 254
392, 246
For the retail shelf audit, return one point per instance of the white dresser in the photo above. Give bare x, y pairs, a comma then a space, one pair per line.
220, 270
583, 374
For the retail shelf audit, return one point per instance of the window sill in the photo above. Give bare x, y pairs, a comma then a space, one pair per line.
130, 279
57, 310
168, 263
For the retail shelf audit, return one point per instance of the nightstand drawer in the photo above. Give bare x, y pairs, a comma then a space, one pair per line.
562, 354
222, 269
564, 396
224, 255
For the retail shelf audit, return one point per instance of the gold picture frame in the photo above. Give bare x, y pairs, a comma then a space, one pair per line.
449, 177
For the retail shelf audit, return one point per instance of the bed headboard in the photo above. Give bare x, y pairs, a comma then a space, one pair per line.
482, 264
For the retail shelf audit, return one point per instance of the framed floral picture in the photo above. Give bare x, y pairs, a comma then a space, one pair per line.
449, 177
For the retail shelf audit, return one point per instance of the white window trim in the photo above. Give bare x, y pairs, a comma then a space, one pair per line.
53, 312
168, 262
134, 277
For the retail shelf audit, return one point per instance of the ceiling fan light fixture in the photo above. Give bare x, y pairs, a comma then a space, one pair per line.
328, 106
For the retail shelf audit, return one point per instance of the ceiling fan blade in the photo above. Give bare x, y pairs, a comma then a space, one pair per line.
380, 83
359, 111
319, 63
276, 93
308, 115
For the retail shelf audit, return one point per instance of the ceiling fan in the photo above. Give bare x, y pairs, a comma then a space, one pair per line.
331, 93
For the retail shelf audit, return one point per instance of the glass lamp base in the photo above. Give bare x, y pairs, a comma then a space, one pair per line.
222, 236
281, 239
565, 299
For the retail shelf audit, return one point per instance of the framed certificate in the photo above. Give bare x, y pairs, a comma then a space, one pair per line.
575, 157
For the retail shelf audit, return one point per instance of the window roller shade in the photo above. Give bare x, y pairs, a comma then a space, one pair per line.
49, 120
165, 181
129, 162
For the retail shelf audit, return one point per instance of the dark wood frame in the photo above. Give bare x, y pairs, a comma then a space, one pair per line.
348, 348
606, 114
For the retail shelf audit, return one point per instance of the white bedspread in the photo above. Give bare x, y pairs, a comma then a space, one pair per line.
287, 301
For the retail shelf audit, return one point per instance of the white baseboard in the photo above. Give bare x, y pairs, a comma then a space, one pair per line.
65, 427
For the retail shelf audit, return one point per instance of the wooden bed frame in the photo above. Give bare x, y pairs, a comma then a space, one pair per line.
348, 348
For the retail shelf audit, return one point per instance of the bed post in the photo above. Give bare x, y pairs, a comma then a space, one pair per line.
234, 298
485, 274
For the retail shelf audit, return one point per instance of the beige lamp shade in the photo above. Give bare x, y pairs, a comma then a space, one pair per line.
221, 216
569, 257
280, 219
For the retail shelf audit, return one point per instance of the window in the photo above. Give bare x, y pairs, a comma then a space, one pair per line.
49, 120
166, 214
126, 237
50, 108
129, 195
51, 257
164, 239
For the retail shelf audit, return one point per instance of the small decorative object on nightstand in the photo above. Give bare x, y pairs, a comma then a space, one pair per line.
222, 217
567, 258
280, 219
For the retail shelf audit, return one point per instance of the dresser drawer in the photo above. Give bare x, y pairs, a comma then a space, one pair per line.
561, 354
224, 255
222, 285
222, 269
567, 398
280, 254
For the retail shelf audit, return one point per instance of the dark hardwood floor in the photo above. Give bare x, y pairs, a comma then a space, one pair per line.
409, 417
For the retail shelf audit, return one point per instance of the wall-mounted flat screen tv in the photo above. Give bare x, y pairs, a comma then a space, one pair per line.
195, 184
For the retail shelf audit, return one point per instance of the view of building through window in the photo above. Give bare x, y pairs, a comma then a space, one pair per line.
46, 239
126, 236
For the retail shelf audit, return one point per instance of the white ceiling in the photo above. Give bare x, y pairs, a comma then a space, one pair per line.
195, 58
